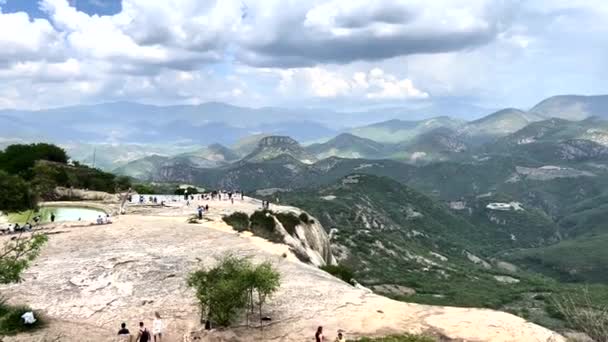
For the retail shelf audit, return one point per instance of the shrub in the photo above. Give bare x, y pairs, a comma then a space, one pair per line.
238, 220
583, 315
263, 225
225, 290
340, 271
289, 222
11, 322
305, 218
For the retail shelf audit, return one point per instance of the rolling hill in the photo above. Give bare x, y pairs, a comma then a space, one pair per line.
347, 145
573, 107
271, 147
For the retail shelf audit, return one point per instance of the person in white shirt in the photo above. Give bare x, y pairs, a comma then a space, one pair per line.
157, 328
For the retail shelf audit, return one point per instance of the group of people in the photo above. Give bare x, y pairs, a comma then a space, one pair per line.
319, 337
104, 220
143, 334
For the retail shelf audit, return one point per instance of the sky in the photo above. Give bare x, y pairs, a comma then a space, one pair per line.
332, 53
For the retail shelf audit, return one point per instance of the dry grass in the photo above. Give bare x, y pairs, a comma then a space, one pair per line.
584, 315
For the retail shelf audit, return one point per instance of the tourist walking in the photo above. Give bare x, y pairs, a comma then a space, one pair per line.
157, 328
144, 334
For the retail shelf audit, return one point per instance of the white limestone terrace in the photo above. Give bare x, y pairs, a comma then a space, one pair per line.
89, 279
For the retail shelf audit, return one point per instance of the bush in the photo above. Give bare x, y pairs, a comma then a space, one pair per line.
225, 290
17, 194
289, 222
263, 225
397, 338
584, 315
340, 271
11, 322
238, 220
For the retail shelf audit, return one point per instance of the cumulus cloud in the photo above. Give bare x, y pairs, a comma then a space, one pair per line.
191, 51
342, 31
324, 83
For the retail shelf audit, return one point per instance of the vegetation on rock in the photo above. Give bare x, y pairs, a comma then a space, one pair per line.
231, 286
238, 220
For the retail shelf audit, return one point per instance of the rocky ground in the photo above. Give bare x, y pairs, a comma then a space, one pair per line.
89, 279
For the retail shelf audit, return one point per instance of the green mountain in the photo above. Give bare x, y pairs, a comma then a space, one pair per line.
397, 239
143, 168
347, 145
273, 146
148, 168
246, 145
573, 107
396, 131
499, 124
211, 156
439, 144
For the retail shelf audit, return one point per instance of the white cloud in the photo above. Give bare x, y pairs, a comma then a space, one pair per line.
324, 83
189, 51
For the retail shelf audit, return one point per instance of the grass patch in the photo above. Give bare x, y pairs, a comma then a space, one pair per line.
340, 271
11, 322
397, 338
289, 222
238, 220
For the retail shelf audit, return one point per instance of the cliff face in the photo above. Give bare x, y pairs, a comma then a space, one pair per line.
310, 241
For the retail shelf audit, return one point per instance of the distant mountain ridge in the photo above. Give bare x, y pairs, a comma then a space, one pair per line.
272, 147
347, 145
573, 107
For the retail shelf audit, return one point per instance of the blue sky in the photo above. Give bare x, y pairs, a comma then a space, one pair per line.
92, 7
322, 53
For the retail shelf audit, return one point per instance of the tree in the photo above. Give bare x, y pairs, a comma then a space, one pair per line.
226, 289
265, 281
17, 194
20, 159
221, 290
16, 255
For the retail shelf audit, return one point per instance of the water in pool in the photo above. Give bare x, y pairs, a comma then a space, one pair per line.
61, 214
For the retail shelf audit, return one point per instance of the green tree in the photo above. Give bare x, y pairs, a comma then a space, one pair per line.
20, 159
265, 282
17, 194
225, 290
222, 290
16, 255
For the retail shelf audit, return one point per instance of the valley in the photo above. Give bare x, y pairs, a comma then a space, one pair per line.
504, 212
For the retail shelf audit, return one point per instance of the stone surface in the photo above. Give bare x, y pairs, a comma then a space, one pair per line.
90, 279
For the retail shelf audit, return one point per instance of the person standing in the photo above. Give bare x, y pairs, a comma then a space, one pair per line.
157, 328
123, 331
319, 335
144, 334
52, 217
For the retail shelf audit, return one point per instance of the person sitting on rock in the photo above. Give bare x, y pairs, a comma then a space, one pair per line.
340, 338
123, 331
